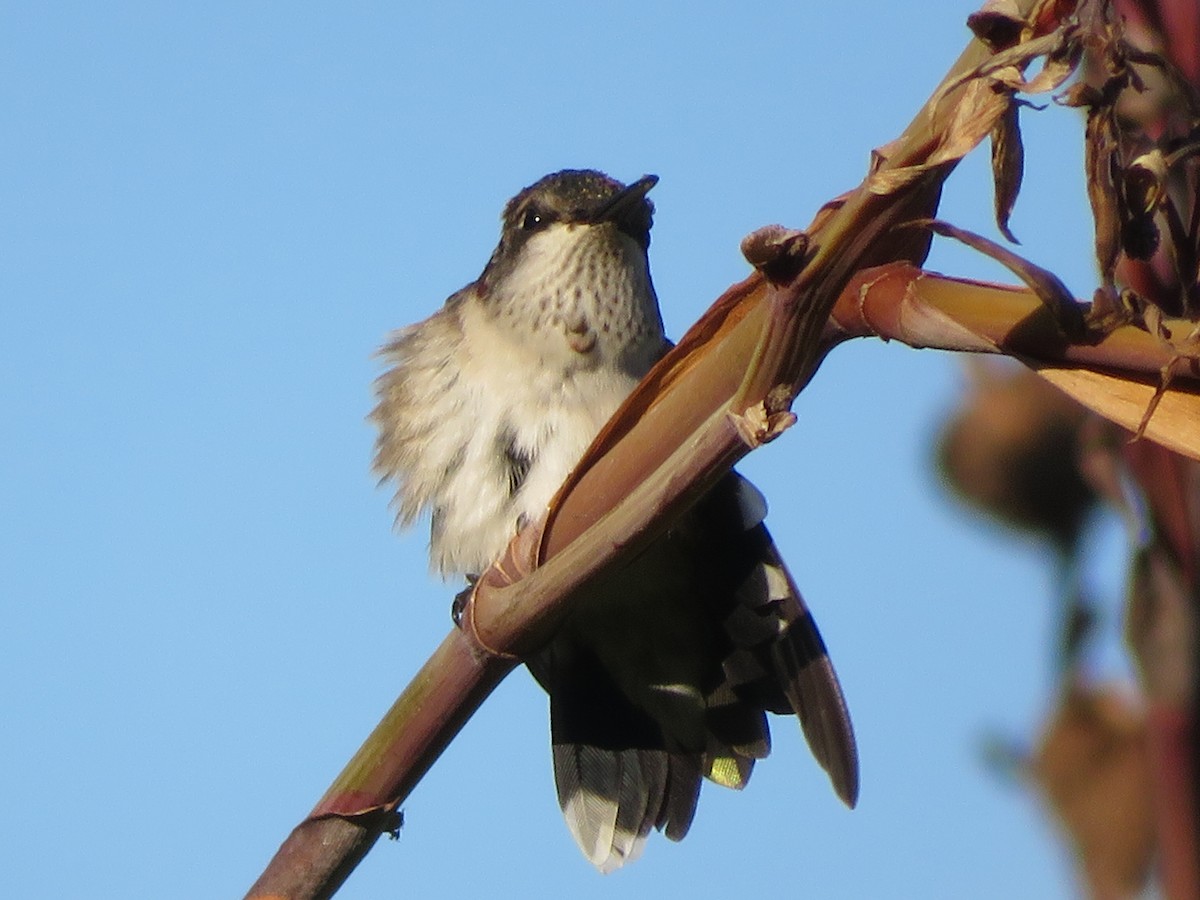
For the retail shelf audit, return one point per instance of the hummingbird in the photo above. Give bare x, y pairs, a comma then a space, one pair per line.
663, 671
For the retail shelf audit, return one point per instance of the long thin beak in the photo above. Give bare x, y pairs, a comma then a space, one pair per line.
618, 205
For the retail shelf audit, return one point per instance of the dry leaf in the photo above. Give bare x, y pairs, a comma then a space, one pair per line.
1049, 289
1008, 165
1176, 420
1012, 449
999, 24
1093, 772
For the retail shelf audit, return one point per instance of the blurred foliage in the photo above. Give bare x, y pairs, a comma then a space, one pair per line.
1117, 771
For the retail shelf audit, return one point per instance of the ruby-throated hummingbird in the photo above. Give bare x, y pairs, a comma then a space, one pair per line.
663, 671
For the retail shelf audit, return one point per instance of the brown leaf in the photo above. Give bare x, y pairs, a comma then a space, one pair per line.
1061, 47
1102, 164
1176, 420
999, 24
978, 97
1012, 450
1008, 166
1093, 772
1102, 468
1170, 486
1061, 61
1049, 289
1160, 627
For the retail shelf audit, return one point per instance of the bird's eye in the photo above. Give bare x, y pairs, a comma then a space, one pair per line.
534, 219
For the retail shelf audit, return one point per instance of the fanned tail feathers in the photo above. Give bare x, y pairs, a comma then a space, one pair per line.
612, 798
621, 770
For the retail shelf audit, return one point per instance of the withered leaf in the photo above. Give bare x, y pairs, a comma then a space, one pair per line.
1050, 290
1008, 165
1060, 63
1079, 94
1091, 768
1062, 49
1122, 399
1159, 627
1102, 162
999, 24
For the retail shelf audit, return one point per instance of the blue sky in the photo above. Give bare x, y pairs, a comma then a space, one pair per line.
210, 217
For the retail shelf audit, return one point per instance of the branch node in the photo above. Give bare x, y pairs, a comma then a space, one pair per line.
765, 421
519, 559
778, 252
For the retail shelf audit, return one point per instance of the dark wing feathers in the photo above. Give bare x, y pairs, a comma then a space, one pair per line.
805, 672
681, 795
773, 632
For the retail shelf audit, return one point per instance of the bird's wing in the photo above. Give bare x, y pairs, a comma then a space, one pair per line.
779, 661
416, 397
